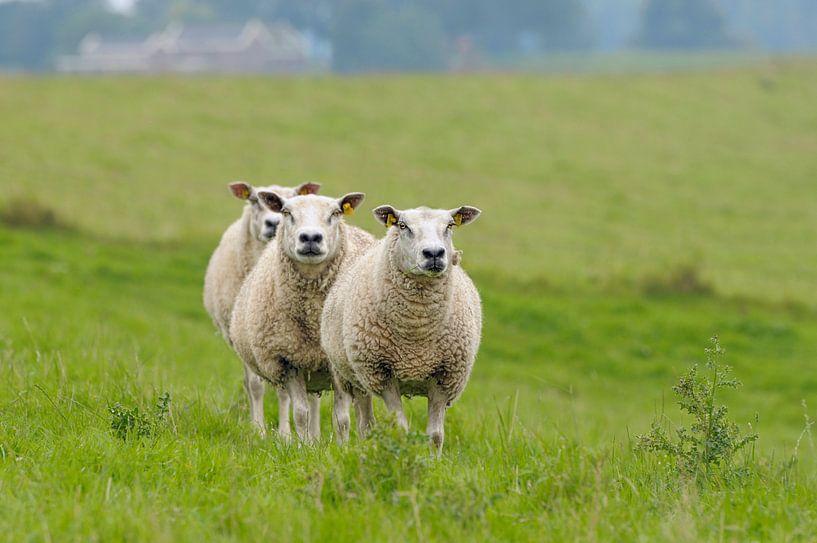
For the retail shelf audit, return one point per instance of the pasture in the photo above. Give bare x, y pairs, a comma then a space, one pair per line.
626, 219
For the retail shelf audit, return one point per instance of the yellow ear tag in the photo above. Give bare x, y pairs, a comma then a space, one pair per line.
390, 220
303, 192
458, 219
245, 193
348, 209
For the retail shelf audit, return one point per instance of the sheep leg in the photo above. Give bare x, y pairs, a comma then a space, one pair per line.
437, 403
365, 413
340, 414
254, 386
283, 413
300, 405
394, 403
314, 417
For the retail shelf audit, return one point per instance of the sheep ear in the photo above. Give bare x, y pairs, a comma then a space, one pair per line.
307, 188
386, 214
241, 190
271, 200
464, 215
349, 202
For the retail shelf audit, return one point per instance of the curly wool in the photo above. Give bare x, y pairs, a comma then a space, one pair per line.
379, 324
231, 262
275, 326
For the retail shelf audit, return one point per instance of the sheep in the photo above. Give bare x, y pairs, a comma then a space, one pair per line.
404, 318
236, 254
275, 326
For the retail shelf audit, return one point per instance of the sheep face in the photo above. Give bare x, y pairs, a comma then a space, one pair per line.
424, 237
310, 229
263, 221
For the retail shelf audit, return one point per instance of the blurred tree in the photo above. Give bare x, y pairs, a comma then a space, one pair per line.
72, 21
308, 14
157, 14
381, 35
613, 23
20, 45
367, 34
683, 24
783, 25
499, 25
315, 15
561, 24
32, 33
419, 34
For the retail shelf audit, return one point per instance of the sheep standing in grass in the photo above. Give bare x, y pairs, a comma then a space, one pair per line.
404, 318
236, 254
275, 326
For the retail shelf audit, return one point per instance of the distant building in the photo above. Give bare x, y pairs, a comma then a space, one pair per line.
250, 48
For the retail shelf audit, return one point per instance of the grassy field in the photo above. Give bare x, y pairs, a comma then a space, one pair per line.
626, 220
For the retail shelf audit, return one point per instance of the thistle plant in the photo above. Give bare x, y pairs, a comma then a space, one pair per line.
713, 440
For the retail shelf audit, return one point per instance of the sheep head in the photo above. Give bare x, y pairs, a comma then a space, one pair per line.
423, 237
310, 231
263, 221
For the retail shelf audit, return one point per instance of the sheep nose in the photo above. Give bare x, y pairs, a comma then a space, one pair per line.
313, 237
270, 223
434, 252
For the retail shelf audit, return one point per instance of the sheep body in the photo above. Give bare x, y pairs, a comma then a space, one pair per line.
404, 318
235, 256
231, 262
275, 326
380, 324
277, 315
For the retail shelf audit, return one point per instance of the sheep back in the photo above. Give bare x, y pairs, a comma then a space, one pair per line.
228, 267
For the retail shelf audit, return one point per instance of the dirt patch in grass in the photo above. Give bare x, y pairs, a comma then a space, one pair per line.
31, 214
682, 279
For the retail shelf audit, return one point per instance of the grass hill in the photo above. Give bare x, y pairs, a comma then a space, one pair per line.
626, 219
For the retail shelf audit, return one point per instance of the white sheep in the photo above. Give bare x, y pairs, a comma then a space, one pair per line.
236, 254
275, 326
404, 318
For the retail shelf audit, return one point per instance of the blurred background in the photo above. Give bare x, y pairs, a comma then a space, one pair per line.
292, 36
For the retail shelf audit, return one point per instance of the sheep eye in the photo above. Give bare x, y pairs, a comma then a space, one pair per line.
337, 213
402, 226
286, 213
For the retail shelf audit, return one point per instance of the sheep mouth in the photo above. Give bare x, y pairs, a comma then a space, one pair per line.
310, 252
435, 267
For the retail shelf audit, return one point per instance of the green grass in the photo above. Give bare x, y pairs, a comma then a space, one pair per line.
625, 221
584, 179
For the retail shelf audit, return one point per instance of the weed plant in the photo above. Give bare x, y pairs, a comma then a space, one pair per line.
711, 443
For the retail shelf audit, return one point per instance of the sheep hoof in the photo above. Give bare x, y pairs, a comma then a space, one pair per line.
343, 431
436, 442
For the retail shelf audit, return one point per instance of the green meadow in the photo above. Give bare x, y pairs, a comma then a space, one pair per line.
626, 220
